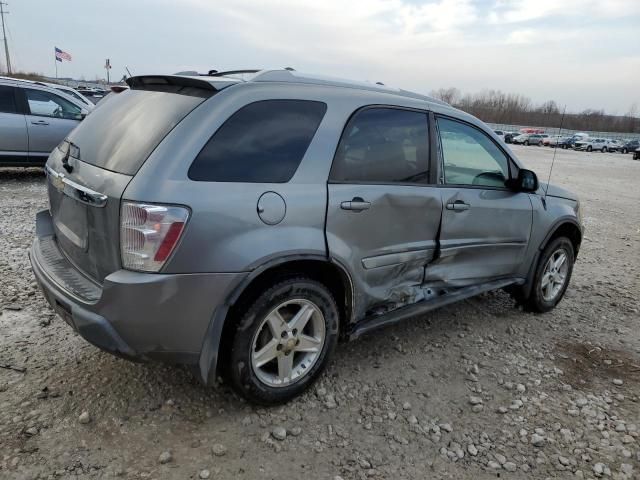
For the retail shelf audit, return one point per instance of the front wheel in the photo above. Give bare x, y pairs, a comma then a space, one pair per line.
589, 148
283, 341
604, 149
552, 275
526, 142
624, 150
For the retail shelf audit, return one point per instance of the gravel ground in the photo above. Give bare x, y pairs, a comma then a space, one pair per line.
472, 391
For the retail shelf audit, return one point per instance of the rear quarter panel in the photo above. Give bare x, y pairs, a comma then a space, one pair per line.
225, 233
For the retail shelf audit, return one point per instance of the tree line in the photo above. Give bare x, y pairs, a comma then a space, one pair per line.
494, 106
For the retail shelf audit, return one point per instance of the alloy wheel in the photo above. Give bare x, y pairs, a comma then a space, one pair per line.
554, 275
288, 343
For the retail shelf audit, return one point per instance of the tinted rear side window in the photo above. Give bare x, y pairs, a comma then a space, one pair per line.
262, 142
7, 100
383, 145
123, 130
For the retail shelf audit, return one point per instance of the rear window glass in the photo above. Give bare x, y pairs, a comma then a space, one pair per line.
263, 142
123, 130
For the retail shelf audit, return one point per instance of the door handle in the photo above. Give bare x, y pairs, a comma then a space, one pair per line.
39, 122
357, 204
458, 206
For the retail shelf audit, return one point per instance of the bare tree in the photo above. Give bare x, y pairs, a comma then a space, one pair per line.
512, 108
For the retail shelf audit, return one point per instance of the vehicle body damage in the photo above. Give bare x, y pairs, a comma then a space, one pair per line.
447, 260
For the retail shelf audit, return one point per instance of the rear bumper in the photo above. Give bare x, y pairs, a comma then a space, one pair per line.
133, 315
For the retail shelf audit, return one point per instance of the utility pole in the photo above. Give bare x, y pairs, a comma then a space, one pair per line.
4, 35
107, 67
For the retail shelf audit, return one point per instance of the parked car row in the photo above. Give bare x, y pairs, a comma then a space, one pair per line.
34, 118
576, 141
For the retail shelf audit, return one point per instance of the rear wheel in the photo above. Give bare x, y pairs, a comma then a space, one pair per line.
283, 341
552, 275
589, 148
604, 149
526, 142
624, 150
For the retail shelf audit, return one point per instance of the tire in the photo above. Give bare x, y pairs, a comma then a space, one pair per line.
604, 149
539, 300
526, 142
589, 148
254, 333
624, 150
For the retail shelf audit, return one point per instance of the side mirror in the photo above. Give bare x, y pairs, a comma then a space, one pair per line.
83, 113
527, 181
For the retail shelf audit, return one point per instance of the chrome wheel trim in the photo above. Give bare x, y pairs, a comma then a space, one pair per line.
288, 343
554, 275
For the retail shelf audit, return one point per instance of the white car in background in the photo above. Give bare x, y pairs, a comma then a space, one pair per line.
591, 144
551, 140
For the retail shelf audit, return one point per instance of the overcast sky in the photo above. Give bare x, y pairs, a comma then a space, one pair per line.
582, 53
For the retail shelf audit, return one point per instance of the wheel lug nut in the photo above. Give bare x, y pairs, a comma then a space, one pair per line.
283, 334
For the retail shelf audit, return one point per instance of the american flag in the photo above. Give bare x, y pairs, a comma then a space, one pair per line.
61, 55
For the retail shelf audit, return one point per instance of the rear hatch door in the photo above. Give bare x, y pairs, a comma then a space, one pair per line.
88, 172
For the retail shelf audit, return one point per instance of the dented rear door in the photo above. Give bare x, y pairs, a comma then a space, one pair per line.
383, 214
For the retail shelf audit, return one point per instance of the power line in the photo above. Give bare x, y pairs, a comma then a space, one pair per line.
4, 36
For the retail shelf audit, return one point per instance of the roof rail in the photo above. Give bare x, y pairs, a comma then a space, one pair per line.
216, 73
285, 75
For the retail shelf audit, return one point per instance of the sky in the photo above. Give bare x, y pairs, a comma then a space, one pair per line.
580, 53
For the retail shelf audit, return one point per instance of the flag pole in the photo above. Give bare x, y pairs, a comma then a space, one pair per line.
55, 60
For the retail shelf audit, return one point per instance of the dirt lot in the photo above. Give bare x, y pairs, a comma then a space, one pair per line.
476, 390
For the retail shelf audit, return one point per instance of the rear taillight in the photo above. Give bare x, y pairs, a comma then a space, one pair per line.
149, 234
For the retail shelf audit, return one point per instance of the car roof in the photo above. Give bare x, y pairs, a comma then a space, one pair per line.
18, 82
224, 79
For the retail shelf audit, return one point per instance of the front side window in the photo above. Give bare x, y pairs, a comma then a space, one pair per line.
470, 157
262, 142
46, 104
7, 100
383, 145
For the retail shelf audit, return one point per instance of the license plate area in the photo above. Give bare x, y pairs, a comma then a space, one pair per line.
70, 221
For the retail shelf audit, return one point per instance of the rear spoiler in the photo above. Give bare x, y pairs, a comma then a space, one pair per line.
173, 84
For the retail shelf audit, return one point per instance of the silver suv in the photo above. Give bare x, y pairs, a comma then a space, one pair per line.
243, 225
34, 118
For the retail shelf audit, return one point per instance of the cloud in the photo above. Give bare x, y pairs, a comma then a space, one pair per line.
518, 11
415, 44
